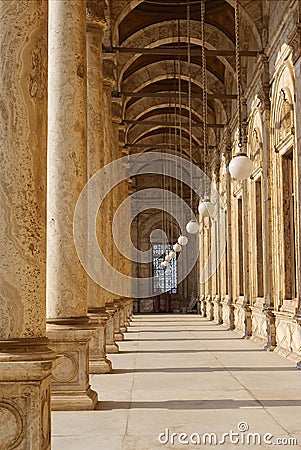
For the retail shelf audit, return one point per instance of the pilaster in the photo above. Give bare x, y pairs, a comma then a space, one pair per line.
296, 57
267, 179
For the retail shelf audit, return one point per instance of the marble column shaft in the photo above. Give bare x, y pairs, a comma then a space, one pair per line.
116, 119
96, 294
68, 324
108, 83
229, 254
268, 188
25, 358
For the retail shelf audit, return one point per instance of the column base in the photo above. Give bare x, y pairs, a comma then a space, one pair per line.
68, 401
111, 346
119, 336
70, 388
98, 362
25, 379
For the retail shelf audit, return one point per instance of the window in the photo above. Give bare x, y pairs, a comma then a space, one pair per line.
289, 225
259, 243
240, 248
165, 280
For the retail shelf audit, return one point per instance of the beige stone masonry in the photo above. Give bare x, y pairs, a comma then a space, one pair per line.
68, 324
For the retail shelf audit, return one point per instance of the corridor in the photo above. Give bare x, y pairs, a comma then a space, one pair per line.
188, 375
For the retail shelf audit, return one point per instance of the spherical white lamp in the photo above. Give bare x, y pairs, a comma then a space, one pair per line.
192, 227
164, 264
167, 258
172, 254
177, 247
182, 240
240, 166
206, 209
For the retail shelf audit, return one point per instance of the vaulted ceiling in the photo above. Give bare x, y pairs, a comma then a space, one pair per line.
150, 40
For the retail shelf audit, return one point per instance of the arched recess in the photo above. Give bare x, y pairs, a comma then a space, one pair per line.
250, 14
284, 158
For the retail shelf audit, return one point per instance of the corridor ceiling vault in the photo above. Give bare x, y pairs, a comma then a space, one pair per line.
149, 39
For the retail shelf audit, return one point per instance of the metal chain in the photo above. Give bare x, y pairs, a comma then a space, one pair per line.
238, 71
189, 101
180, 121
204, 82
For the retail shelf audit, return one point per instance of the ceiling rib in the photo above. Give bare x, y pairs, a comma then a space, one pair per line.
171, 95
164, 146
180, 51
169, 124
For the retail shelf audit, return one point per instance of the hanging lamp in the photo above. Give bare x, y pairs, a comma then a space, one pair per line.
164, 264
240, 166
192, 226
182, 240
206, 207
177, 247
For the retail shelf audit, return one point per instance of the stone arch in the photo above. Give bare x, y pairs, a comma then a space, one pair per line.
246, 14
255, 135
282, 103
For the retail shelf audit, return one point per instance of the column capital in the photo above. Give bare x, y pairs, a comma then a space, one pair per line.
95, 14
264, 89
227, 145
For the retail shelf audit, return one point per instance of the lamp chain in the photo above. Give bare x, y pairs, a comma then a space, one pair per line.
189, 102
238, 71
180, 122
204, 82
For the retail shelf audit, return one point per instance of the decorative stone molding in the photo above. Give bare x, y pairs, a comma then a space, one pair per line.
95, 12
109, 71
295, 42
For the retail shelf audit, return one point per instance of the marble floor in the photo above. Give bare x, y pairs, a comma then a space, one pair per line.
178, 377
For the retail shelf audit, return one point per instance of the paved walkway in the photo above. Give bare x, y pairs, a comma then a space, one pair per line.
184, 374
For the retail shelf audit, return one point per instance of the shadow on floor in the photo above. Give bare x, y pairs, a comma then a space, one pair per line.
205, 369
184, 350
183, 405
184, 339
170, 330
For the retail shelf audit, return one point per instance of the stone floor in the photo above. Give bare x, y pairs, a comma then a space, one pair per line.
184, 374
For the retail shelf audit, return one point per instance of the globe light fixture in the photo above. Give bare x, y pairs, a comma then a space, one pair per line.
192, 227
164, 264
182, 240
206, 209
177, 247
167, 258
172, 254
240, 166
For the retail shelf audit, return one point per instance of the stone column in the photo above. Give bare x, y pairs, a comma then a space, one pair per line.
218, 297
96, 294
296, 57
25, 358
229, 256
110, 303
68, 324
116, 120
267, 180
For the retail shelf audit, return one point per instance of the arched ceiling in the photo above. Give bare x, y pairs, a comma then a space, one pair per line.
150, 38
